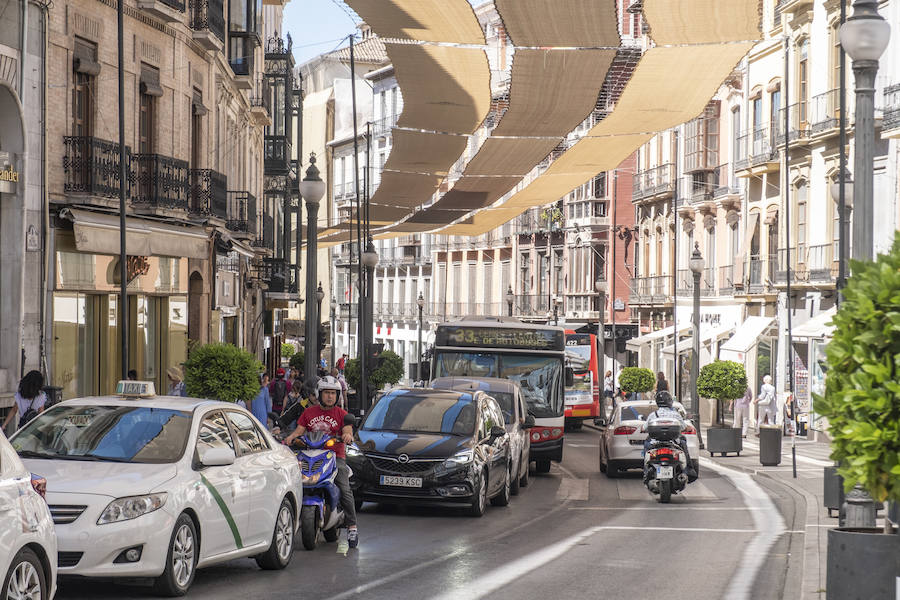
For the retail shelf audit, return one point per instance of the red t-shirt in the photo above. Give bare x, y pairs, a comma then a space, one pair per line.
315, 418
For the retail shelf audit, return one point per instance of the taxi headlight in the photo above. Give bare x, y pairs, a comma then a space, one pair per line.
131, 507
460, 459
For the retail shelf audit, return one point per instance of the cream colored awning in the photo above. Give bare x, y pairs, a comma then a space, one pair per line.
405, 189
451, 21
560, 23
510, 156
445, 88
99, 233
699, 21
417, 152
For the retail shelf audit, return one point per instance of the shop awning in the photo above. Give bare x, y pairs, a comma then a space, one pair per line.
818, 327
747, 334
99, 233
634, 344
707, 334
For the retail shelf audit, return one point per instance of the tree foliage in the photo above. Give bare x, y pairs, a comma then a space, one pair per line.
862, 387
298, 360
287, 350
722, 380
389, 371
636, 379
222, 372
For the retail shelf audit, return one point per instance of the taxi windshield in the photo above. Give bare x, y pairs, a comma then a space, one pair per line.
133, 434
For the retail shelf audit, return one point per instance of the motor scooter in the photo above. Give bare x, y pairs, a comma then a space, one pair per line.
665, 461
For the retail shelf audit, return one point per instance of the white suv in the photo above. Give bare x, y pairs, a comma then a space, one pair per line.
27, 538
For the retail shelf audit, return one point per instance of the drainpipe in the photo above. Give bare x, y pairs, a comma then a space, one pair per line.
24, 52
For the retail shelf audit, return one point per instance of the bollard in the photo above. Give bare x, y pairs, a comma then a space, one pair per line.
858, 509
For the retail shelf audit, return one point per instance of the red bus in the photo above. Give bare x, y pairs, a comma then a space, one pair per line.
583, 396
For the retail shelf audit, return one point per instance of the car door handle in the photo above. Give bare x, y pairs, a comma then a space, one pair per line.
243, 475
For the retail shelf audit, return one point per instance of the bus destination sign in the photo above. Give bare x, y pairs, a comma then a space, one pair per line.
491, 337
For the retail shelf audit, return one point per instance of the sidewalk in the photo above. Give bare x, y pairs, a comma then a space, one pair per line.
812, 457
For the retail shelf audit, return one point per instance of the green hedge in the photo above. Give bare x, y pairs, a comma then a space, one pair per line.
222, 372
862, 386
636, 379
390, 371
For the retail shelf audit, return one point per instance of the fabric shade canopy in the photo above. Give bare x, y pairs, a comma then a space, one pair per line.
418, 152
560, 23
452, 21
747, 334
817, 327
510, 156
445, 88
699, 21
404, 189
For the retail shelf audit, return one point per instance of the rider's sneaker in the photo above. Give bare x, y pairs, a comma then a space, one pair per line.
353, 538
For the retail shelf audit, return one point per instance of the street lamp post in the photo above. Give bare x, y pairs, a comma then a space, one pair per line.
312, 188
840, 182
600, 286
320, 295
510, 298
696, 265
555, 311
864, 37
369, 262
332, 313
420, 301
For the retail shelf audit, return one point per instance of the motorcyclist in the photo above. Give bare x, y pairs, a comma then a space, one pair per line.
665, 410
326, 416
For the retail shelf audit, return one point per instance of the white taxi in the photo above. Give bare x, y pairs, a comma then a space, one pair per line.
141, 485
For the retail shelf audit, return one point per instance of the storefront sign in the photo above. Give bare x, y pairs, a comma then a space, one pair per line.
8, 180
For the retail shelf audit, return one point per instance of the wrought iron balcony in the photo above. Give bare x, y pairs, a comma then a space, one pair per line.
821, 262
726, 280
798, 114
241, 57
658, 181
383, 126
891, 115
241, 212
208, 193
276, 154
160, 181
208, 23
824, 111
531, 305
91, 166
277, 274
168, 10
755, 148
265, 239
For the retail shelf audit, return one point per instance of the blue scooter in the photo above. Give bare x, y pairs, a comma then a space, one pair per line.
321, 509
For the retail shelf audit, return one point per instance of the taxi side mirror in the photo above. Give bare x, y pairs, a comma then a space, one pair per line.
217, 457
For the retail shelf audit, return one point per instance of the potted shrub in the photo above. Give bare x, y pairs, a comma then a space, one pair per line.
388, 369
722, 380
636, 380
222, 372
862, 405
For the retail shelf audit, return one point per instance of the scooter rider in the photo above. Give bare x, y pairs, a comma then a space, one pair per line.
328, 417
665, 410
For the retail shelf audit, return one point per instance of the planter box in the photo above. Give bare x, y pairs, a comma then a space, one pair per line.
833, 490
724, 440
770, 446
863, 564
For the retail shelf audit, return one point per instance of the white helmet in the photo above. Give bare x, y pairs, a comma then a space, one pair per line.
328, 383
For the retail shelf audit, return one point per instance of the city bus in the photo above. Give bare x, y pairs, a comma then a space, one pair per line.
583, 396
531, 355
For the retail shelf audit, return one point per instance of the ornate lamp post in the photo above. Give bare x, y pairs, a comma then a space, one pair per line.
320, 295
510, 298
312, 188
837, 183
420, 301
696, 264
369, 260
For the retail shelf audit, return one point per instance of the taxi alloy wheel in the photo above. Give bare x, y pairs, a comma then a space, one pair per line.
181, 560
25, 579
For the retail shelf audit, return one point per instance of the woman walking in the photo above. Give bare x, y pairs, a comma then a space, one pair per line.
30, 400
661, 384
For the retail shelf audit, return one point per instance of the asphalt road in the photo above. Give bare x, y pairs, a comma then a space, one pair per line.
572, 532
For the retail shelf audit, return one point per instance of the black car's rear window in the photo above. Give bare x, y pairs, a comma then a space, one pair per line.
435, 413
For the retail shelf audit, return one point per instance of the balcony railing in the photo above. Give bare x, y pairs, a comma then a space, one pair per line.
160, 181
276, 154
383, 126
91, 166
726, 280
821, 264
891, 115
277, 274
824, 110
241, 212
701, 185
708, 282
755, 148
208, 15
656, 289
684, 282
655, 181
208, 193
241, 52
760, 273
531, 305
798, 114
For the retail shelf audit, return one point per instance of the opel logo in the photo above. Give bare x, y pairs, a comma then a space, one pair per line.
403, 459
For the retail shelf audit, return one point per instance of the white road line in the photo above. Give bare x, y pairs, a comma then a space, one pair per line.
768, 521
531, 563
666, 508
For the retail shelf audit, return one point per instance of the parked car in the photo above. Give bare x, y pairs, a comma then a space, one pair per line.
516, 419
155, 486
427, 446
27, 538
622, 438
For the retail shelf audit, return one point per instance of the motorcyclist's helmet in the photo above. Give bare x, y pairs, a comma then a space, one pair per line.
663, 399
328, 383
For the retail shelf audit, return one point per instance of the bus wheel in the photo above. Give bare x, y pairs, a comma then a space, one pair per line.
542, 465
576, 425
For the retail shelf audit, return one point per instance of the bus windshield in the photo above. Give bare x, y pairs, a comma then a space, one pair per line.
539, 377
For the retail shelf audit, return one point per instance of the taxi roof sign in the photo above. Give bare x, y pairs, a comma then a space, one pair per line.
135, 389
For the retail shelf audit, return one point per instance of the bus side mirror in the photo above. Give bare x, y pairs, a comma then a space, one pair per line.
570, 377
529, 422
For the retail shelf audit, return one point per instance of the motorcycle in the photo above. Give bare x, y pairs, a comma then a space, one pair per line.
321, 506
665, 461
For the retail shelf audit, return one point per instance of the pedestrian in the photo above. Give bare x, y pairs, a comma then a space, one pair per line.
661, 384
29, 400
176, 382
618, 376
261, 405
741, 408
608, 385
342, 401
132, 375
278, 390
341, 363
766, 403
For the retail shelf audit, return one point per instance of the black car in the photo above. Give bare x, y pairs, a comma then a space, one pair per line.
426, 446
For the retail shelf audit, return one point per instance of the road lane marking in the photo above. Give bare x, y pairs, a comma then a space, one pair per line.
666, 508
573, 489
768, 521
531, 563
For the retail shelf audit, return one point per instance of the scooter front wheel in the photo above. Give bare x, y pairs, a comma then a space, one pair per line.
309, 527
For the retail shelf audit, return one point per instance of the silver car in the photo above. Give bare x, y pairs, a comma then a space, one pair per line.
516, 419
622, 439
